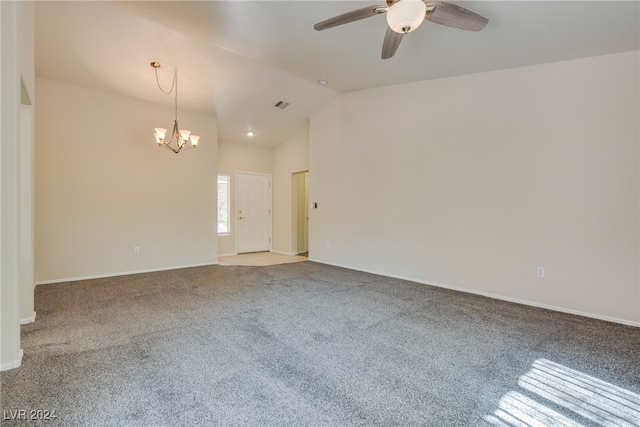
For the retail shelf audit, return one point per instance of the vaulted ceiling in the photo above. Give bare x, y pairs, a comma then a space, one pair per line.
236, 59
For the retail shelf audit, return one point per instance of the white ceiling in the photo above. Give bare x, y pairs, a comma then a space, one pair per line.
236, 59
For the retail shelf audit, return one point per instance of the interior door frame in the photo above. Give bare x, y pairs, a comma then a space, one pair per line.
237, 198
299, 230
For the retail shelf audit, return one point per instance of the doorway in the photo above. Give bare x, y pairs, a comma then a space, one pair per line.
253, 209
300, 214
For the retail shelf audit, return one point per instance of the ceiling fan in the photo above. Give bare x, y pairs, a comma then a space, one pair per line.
404, 16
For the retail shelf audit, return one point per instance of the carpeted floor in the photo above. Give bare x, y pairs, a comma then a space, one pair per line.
310, 344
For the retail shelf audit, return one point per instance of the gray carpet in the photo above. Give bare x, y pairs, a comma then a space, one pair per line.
310, 344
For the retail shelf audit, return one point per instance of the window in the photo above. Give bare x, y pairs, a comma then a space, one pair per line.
224, 207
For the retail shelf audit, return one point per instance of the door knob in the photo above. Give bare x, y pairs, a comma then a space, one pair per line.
241, 217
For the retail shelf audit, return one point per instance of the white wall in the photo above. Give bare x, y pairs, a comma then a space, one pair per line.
26, 242
234, 158
10, 353
26, 260
289, 157
25, 14
16, 173
103, 186
474, 181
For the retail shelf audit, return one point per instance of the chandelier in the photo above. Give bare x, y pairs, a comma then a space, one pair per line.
181, 139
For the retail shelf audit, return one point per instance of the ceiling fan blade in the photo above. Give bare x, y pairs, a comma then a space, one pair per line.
354, 15
454, 16
391, 42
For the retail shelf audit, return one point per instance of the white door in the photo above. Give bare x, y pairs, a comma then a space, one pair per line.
253, 214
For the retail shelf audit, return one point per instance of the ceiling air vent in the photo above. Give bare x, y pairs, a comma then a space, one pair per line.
282, 105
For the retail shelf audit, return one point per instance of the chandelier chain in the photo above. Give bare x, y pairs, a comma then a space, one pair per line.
173, 82
174, 89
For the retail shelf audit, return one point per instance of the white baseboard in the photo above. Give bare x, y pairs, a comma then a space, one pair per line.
123, 273
486, 294
13, 364
283, 253
272, 250
29, 319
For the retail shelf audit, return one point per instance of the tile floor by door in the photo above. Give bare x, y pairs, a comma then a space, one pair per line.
260, 259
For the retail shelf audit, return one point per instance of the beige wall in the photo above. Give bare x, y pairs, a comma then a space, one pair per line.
289, 157
234, 158
474, 181
103, 187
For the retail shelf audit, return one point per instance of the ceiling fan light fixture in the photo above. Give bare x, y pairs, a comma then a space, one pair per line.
405, 16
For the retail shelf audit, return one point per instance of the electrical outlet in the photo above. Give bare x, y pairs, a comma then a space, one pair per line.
540, 271
327, 244
136, 250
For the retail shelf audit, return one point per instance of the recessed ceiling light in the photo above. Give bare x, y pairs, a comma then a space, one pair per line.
323, 82
250, 133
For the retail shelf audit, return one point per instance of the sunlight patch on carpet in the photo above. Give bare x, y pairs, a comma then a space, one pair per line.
550, 387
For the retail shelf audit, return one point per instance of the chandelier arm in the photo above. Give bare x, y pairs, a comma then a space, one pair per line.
176, 131
168, 147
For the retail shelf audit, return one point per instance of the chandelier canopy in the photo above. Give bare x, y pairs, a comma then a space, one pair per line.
181, 139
